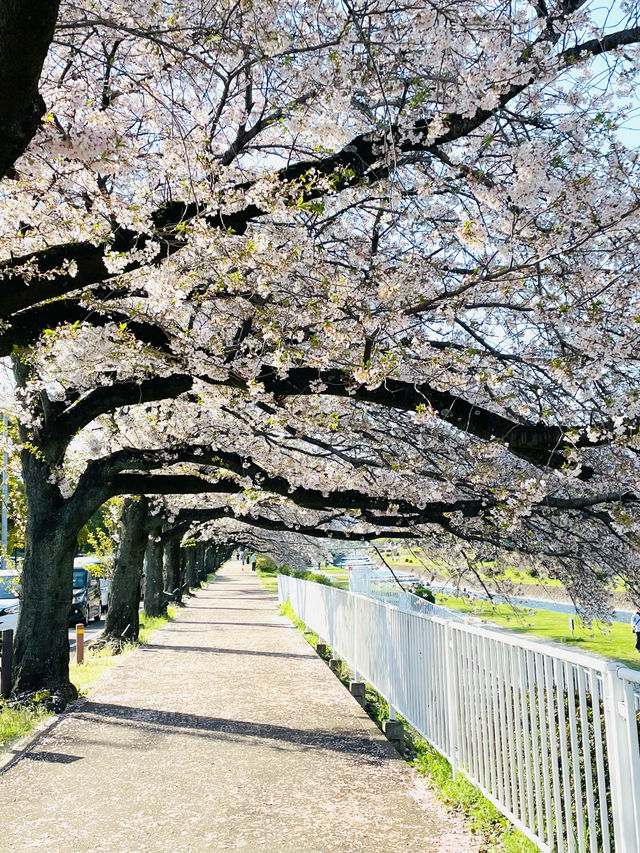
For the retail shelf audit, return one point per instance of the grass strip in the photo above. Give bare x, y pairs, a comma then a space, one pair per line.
18, 721
99, 661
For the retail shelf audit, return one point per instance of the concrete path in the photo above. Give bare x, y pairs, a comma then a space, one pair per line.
226, 732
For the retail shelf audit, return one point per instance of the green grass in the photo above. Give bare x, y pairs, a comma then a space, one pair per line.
339, 577
95, 664
515, 576
19, 721
614, 641
269, 580
287, 610
484, 818
149, 624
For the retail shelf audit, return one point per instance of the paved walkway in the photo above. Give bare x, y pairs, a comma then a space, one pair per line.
226, 732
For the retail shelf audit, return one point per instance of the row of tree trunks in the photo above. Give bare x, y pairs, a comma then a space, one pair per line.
190, 567
123, 615
155, 601
169, 569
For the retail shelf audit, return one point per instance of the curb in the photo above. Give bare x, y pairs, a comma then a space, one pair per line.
19, 748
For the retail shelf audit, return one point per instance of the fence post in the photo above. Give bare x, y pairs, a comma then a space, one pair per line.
624, 758
452, 685
6, 663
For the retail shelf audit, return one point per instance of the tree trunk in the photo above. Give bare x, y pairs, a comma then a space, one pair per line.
201, 569
190, 565
210, 561
41, 650
155, 601
123, 616
172, 568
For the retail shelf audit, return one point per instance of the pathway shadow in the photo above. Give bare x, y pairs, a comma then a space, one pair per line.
221, 607
214, 622
220, 651
53, 757
376, 751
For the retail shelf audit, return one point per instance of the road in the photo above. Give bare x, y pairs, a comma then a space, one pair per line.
91, 631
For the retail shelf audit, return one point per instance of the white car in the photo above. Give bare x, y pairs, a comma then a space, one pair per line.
9, 600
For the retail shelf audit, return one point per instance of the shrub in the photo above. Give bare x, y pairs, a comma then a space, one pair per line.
265, 564
425, 592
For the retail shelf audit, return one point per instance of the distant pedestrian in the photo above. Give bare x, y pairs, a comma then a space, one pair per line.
635, 627
253, 562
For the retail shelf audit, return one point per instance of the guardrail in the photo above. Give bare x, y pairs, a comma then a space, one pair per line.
549, 735
6, 660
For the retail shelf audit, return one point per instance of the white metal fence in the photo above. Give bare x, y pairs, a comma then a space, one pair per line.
549, 735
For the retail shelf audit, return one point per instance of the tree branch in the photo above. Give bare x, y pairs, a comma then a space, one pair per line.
26, 30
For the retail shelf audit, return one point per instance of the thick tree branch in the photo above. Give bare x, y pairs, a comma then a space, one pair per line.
26, 30
26, 327
536, 443
107, 398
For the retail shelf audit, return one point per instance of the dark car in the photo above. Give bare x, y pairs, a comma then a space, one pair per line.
87, 602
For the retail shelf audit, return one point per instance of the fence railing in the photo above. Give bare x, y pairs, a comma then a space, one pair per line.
549, 735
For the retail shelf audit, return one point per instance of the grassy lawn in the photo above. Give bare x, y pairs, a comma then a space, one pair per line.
612, 641
515, 576
340, 577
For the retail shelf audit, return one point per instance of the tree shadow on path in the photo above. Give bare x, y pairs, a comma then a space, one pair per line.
374, 750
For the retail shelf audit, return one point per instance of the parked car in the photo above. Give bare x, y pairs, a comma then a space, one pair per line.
105, 589
87, 600
9, 599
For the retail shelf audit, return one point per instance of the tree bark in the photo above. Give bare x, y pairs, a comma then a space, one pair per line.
201, 569
41, 651
155, 601
26, 30
172, 568
123, 616
190, 568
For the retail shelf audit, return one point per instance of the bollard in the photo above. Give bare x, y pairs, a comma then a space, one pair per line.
79, 642
321, 649
357, 690
5, 664
394, 730
335, 665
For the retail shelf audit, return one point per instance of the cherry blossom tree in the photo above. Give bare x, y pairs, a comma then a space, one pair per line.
384, 261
